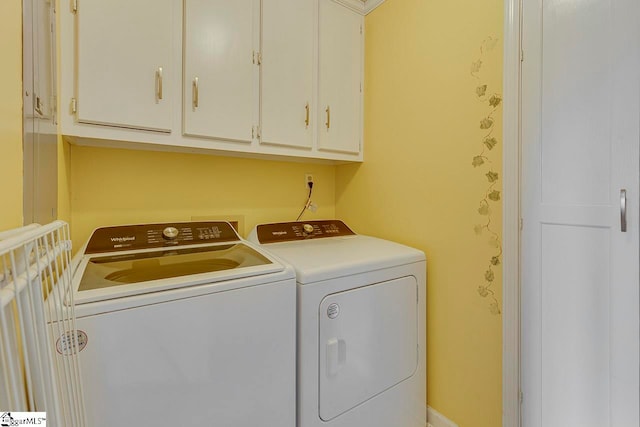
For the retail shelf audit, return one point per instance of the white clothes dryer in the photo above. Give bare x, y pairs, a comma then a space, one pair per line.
361, 325
183, 323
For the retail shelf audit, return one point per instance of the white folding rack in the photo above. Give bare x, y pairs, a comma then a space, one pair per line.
39, 367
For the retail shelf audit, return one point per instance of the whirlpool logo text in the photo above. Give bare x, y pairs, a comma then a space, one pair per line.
123, 239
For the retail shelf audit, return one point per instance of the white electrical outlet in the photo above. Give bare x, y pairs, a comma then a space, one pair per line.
308, 178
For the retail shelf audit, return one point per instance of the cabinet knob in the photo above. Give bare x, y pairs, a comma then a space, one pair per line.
306, 120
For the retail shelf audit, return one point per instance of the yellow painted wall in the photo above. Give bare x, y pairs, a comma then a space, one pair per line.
113, 186
418, 185
11, 113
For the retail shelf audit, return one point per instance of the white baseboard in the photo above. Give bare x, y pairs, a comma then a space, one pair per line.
436, 419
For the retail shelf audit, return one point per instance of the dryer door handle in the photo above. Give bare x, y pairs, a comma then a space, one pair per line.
336, 356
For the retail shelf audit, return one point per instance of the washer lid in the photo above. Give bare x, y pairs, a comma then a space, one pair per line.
127, 260
116, 275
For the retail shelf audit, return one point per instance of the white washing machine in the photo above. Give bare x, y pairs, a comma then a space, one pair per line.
361, 325
184, 324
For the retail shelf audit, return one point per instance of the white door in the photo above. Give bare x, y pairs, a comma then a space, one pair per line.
124, 64
580, 129
340, 78
286, 78
219, 90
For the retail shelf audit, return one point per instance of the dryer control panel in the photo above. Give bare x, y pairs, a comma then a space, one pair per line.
145, 236
299, 230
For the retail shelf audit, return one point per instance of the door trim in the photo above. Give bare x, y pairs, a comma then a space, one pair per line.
511, 214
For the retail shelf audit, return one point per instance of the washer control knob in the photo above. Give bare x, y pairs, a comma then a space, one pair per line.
170, 233
308, 228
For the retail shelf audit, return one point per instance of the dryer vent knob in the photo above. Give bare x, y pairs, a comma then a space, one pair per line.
170, 233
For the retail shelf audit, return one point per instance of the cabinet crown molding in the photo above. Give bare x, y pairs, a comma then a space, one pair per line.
361, 6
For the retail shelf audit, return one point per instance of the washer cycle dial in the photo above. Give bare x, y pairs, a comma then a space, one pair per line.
170, 233
308, 228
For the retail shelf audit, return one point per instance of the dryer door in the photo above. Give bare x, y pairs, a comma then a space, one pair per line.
368, 343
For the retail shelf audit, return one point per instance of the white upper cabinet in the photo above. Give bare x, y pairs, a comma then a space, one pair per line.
287, 72
124, 59
220, 94
261, 78
340, 78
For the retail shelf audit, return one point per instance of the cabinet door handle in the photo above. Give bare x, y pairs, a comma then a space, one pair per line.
328, 123
159, 83
195, 93
623, 211
306, 120
38, 106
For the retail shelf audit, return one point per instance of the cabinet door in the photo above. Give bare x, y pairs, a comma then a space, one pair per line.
219, 95
287, 72
44, 60
124, 63
339, 79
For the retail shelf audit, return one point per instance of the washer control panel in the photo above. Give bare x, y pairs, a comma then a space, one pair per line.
145, 236
291, 231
